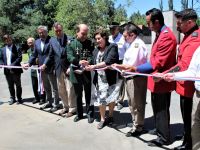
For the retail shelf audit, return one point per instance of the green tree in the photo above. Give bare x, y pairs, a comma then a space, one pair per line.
138, 18
21, 18
120, 14
94, 13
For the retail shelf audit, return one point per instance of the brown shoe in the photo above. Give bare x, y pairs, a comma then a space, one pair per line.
63, 111
69, 114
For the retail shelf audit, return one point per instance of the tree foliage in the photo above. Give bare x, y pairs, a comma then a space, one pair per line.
138, 18
120, 14
94, 13
20, 18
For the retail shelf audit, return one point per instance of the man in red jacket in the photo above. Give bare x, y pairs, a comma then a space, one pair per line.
186, 23
163, 57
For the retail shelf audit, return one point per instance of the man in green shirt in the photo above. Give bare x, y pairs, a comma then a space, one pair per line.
79, 53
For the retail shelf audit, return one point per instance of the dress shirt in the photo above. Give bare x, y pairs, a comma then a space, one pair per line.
120, 41
136, 53
8, 54
42, 45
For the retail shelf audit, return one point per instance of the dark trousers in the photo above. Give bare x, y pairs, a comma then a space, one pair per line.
14, 80
160, 104
186, 111
35, 87
84, 83
37, 94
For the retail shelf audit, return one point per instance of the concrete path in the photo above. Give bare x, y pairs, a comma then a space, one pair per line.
25, 127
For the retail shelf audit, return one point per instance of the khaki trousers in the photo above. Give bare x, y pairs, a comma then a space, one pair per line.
66, 92
196, 128
136, 91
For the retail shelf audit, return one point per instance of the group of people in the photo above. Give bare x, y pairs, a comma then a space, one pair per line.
67, 68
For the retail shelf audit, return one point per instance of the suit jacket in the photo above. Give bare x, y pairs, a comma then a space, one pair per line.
42, 55
186, 50
163, 57
75, 53
110, 56
16, 58
58, 54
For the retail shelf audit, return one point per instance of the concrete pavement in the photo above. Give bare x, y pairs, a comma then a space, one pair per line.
25, 127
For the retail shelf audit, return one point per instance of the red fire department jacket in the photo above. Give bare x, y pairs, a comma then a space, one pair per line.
163, 57
187, 48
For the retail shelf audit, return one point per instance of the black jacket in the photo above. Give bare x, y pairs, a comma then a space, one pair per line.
16, 58
110, 56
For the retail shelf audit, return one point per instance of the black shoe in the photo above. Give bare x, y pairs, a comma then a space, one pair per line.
153, 131
109, 121
19, 101
12, 101
157, 142
35, 101
54, 109
132, 133
41, 102
63, 112
90, 119
179, 137
46, 106
77, 118
101, 125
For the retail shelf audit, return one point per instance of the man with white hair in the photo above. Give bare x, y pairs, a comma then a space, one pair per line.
41, 51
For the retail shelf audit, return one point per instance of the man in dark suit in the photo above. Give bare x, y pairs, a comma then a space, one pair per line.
12, 56
41, 51
79, 53
59, 55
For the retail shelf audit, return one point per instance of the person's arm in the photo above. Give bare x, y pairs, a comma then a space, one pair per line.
112, 56
50, 56
71, 54
190, 72
166, 49
144, 68
193, 66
